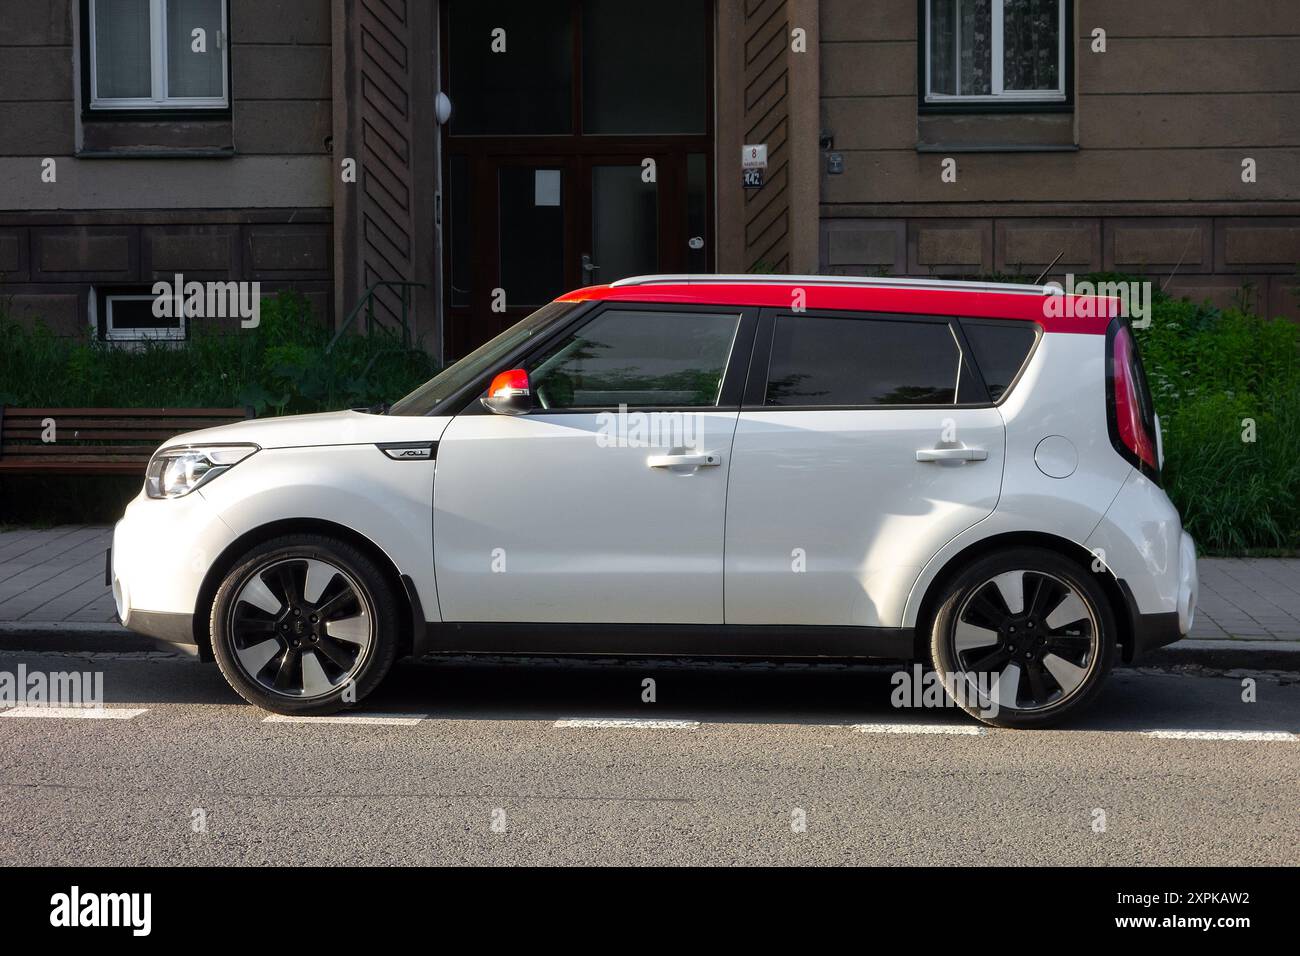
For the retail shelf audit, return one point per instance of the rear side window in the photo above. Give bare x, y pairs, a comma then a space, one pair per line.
1000, 351
819, 360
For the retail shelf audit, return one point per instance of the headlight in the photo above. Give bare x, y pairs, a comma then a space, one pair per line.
175, 472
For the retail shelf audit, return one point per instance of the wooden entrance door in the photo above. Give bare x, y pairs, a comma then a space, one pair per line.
549, 181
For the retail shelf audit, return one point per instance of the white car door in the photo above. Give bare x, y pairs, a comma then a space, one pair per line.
861, 453
607, 503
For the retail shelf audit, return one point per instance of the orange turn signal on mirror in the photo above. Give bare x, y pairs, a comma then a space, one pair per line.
508, 384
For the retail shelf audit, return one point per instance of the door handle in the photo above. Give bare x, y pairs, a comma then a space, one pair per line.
951, 454
698, 460
589, 269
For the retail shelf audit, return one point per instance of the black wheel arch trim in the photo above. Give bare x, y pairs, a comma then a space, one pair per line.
1138, 632
410, 611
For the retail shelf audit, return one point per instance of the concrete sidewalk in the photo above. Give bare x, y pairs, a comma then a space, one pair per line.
52, 582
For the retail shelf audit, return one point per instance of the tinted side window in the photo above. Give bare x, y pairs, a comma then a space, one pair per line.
1000, 350
852, 361
639, 359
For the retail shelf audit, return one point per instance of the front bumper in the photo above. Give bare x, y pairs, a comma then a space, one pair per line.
162, 550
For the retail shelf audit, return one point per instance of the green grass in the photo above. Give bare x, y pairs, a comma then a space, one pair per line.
281, 367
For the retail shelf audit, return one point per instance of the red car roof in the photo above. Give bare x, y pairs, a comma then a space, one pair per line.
1088, 315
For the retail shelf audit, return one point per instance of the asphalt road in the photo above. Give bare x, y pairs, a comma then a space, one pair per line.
489, 778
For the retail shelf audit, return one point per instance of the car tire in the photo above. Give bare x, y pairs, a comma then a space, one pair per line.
1023, 638
305, 624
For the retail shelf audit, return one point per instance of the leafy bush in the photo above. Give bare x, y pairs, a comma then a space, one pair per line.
1212, 373
1226, 385
280, 367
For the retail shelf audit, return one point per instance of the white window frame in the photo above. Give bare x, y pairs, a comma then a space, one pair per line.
998, 57
157, 334
158, 98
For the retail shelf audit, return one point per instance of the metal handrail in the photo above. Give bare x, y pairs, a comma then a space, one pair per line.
368, 302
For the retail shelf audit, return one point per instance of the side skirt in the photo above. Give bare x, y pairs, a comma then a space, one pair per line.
677, 640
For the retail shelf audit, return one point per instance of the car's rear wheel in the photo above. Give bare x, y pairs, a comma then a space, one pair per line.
1023, 638
304, 624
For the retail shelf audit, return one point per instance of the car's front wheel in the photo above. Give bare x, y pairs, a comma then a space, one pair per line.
304, 624
1023, 638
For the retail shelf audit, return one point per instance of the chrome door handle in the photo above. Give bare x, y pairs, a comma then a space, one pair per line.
951, 454
700, 460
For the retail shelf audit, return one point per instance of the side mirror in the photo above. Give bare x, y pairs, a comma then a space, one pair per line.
509, 393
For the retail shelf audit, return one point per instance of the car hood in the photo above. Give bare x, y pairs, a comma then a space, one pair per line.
325, 428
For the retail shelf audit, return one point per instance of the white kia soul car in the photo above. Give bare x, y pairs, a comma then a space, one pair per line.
801, 467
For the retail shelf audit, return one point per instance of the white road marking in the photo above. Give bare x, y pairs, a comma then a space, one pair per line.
383, 720
965, 730
75, 713
628, 722
1275, 735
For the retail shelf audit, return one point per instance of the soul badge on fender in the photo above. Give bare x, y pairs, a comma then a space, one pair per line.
408, 451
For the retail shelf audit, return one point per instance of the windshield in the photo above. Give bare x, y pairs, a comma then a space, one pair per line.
478, 363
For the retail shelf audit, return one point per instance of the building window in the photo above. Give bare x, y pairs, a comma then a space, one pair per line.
995, 51
157, 54
127, 315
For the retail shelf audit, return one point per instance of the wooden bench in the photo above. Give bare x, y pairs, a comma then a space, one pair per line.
96, 441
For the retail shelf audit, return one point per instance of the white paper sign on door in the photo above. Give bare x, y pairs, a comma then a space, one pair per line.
546, 187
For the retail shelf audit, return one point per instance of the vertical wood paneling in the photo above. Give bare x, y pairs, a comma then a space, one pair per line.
383, 88
766, 101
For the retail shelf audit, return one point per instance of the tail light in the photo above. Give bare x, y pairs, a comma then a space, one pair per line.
1130, 414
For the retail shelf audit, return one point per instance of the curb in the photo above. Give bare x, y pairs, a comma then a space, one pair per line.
57, 636
1227, 655
114, 638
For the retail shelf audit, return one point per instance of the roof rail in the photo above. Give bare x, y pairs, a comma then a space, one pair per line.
863, 281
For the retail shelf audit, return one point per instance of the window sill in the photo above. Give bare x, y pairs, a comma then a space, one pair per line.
1011, 107
209, 114
177, 153
995, 148
996, 132
201, 138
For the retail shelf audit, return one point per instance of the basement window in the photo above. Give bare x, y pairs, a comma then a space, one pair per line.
127, 315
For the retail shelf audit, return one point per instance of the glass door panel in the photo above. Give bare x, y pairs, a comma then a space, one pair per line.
531, 208
624, 224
